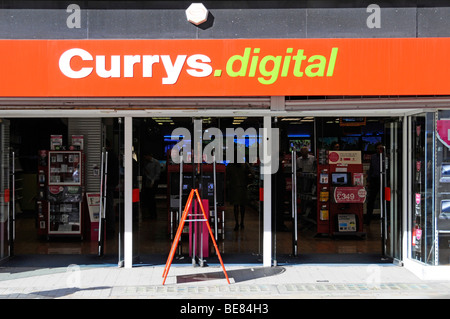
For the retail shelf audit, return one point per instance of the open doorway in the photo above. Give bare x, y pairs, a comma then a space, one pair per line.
54, 168
231, 189
343, 202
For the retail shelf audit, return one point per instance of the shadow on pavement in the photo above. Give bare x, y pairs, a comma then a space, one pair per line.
53, 293
239, 275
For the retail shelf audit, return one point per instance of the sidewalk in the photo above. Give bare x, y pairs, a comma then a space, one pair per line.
246, 282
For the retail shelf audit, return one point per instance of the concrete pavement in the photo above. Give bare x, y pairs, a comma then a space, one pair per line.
363, 281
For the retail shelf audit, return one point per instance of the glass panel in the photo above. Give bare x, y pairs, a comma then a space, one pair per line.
118, 150
422, 219
137, 184
394, 171
5, 228
442, 179
112, 144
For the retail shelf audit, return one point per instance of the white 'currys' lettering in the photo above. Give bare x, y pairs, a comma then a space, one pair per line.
112, 66
64, 63
205, 69
129, 62
147, 65
173, 70
100, 66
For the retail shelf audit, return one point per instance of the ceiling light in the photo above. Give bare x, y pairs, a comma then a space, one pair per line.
291, 119
197, 13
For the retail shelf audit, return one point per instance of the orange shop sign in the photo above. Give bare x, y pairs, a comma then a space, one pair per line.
229, 67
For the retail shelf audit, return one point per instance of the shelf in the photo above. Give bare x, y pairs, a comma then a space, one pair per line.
61, 180
64, 168
67, 222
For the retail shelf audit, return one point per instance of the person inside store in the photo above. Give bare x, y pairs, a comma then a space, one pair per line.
152, 170
373, 181
306, 164
111, 183
280, 194
335, 146
238, 178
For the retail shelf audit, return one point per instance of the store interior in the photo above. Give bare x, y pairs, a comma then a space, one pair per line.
239, 235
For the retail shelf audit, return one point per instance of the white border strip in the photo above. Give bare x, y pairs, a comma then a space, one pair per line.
80, 113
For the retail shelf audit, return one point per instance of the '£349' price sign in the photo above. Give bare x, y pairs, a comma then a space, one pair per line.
355, 195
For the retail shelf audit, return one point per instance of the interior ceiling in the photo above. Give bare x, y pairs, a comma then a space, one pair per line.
187, 121
237, 120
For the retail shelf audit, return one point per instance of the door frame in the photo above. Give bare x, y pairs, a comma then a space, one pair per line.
394, 250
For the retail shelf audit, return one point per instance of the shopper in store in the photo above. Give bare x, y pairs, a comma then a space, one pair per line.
152, 170
335, 146
238, 178
373, 181
306, 163
111, 183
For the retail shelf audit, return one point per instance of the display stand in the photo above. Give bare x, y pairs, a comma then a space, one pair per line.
323, 199
41, 203
341, 195
64, 193
194, 192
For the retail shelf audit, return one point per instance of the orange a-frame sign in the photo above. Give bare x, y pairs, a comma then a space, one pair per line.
194, 192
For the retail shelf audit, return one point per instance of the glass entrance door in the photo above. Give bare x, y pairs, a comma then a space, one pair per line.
391, 201
230, 190
422, 213
332, 206
6, 222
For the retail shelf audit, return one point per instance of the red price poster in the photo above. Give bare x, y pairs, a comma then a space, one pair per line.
351, 195
344, 157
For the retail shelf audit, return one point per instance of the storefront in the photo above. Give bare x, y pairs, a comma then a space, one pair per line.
270, 95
